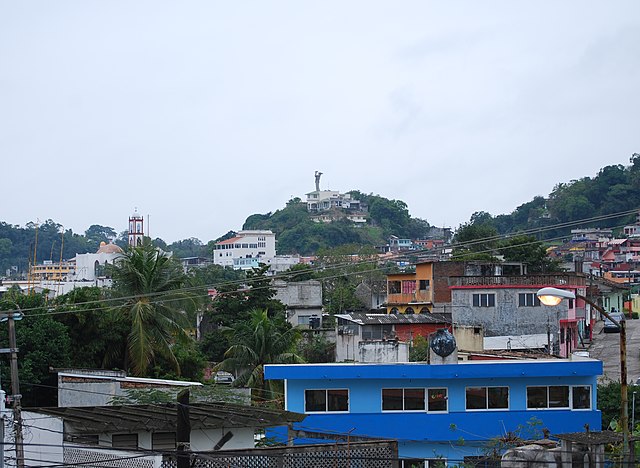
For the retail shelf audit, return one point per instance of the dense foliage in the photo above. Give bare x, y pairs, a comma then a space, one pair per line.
298, 233
614, 189
155, 299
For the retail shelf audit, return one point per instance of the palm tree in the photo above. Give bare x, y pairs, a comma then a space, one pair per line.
154, 303
260, 341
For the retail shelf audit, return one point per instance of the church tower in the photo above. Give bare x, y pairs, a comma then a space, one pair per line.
136, 229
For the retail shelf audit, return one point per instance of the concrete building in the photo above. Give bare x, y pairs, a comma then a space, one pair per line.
366, 337
98, 387
303, 300
508, 306
447, 412
245, 250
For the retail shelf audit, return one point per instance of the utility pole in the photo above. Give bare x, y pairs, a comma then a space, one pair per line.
15, 389
183, 430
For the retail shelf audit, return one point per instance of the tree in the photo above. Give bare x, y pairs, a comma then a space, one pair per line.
476, 240
43, 343
259, 341
234, 302
316, 348
528, 250
98, 334
96, 234
154, 303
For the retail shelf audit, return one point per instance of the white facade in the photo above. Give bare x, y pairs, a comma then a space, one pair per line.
245, 250
90, 266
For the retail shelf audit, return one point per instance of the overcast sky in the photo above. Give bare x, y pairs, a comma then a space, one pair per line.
201, 113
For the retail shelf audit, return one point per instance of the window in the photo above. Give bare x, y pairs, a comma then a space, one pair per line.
394, 287
326, 400
559, 397
528, 300
403, 399
487, 398
437, 400
484, 300
128, 441
420, 463
424, 285
163, 441
408, 287
581, 397
85, 439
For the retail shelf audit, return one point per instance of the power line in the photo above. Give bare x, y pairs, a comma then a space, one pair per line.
419, 252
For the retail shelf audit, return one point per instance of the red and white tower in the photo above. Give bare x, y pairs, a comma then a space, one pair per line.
136, 229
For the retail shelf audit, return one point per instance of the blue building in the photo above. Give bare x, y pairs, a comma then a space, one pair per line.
443, 412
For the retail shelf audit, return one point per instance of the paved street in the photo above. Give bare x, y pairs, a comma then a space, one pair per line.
605, 346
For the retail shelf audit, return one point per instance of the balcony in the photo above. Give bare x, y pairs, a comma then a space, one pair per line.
513, 281
420, 296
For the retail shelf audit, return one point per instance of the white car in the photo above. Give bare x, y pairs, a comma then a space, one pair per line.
609, 326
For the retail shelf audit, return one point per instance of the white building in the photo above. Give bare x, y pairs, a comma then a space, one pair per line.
246, 250
91, 266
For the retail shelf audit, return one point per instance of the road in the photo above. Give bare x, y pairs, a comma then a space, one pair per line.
606, 347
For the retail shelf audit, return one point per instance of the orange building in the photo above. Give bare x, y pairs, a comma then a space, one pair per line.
422, 290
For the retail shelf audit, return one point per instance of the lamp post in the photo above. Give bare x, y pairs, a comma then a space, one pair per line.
553, 297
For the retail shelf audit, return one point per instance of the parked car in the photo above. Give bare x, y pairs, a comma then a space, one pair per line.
222, 377
609, 326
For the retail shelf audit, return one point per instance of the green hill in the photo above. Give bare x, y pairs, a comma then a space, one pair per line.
298, 233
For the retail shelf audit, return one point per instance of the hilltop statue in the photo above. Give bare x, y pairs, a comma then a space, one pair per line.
318, 174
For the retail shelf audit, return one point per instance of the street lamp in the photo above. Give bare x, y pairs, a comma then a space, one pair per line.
553, 297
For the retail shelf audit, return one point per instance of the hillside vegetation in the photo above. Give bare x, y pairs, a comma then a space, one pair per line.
613, 189
298, 233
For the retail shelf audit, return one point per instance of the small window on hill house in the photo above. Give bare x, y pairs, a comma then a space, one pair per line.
424, 285
394, 287
484, 300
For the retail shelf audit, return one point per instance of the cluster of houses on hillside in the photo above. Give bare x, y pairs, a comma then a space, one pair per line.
500, 366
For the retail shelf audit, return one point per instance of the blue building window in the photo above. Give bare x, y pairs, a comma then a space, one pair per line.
487, 398
415, 399
559, 397
403, 399
326, 400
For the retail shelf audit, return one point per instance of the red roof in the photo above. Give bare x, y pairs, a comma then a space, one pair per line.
229, 241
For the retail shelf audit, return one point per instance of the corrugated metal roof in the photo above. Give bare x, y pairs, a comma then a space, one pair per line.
163, 417
393, 319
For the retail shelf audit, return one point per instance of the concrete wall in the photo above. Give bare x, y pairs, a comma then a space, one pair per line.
383, 351
469, 338
42, 439
87, 393
302, 298
300, 293
347, 347
506, 318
